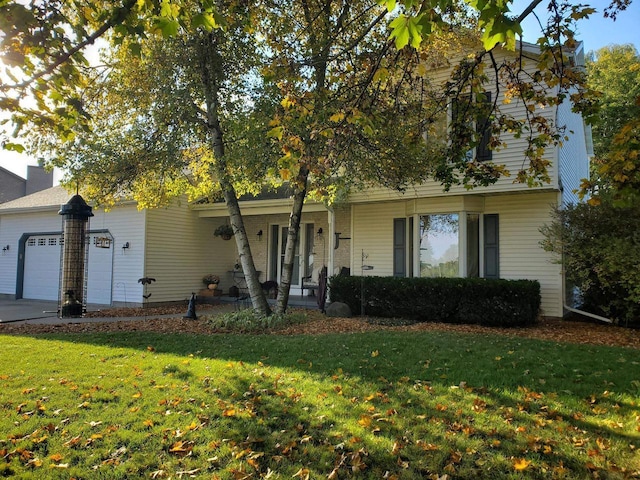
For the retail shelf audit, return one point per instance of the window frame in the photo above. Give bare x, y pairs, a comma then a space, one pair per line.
484, 136
463, 254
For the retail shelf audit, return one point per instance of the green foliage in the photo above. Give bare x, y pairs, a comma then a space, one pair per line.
400, 405
614, 72
248, 321
453, 300
224, 230
600, 248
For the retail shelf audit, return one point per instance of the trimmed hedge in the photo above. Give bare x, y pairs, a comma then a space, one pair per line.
453, 300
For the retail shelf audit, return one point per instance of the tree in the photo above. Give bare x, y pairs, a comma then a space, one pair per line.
158, 116
599, 246
325, 107
614, 72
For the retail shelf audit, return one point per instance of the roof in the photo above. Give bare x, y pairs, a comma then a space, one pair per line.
46, 199
11, 174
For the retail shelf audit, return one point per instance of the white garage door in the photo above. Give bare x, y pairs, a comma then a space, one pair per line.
42, 269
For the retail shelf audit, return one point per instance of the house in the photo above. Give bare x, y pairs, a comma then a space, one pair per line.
490, 232
170, 244
13, 186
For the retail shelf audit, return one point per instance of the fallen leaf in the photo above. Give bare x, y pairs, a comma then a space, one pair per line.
521, 464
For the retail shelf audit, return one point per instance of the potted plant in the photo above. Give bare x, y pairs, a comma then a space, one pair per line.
211, 281
225, 231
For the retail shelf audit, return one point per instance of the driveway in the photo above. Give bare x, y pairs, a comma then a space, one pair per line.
13, 310
38, 312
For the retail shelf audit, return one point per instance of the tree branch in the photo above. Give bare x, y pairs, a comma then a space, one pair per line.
116, 19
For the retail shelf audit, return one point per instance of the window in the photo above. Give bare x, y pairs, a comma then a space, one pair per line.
454, 245
471, 123
31, 242
42, 242
439, 255
53, 241
473, 245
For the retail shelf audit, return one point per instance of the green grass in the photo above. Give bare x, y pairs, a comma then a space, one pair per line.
376, 405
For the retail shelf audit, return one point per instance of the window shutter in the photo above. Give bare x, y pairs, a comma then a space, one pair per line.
399, 247
491, 244
483, 127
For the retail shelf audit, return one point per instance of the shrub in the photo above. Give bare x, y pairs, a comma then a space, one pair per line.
247, 320
452, 300
600, 245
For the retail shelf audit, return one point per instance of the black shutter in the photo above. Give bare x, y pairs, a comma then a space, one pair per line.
399, 247
483, 127
491, 243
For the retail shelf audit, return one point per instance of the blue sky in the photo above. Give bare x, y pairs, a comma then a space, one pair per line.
596, 32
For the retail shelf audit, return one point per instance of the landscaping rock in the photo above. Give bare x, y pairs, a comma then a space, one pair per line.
339, 309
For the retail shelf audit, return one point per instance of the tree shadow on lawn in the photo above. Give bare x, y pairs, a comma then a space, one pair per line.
445, 382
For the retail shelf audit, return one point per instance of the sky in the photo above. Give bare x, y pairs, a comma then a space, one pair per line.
596, 32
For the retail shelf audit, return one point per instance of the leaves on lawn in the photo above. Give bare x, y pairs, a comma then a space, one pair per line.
246, 419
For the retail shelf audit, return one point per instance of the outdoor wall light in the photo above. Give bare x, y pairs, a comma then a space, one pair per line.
319, 232
260, 234
125, 246
5, 249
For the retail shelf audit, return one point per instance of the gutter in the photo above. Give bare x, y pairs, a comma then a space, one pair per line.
587, 314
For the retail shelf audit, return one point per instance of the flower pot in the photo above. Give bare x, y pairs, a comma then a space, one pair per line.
212, 286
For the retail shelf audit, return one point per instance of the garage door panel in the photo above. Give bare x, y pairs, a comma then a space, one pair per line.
42, 269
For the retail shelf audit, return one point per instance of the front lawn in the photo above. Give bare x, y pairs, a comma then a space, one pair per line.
371, 405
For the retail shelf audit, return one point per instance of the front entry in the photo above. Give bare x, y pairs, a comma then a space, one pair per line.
302, 264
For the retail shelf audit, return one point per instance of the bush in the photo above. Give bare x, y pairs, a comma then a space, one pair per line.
245, 321
452, 300
600, 245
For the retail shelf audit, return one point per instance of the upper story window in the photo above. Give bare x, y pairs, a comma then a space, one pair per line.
471, 124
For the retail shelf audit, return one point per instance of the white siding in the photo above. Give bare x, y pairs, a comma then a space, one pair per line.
373, 235
512, 156
521, 257
125, 224
574, 159
181, 249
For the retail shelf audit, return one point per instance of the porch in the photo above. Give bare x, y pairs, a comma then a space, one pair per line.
295, 301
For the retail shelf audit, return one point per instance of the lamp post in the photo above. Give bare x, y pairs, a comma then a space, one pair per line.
75, 223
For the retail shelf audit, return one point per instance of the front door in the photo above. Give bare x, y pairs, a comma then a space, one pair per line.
301, 265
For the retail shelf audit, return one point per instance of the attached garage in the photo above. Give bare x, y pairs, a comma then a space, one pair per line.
42, 257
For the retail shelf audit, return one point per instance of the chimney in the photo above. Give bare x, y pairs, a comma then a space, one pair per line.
38, 179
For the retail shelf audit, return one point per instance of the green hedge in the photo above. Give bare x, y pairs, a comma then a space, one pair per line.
452, 300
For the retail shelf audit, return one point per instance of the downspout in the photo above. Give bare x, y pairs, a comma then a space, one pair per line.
587, 314
575, 310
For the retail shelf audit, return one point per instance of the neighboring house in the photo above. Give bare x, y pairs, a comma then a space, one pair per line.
490, 232
13, 186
